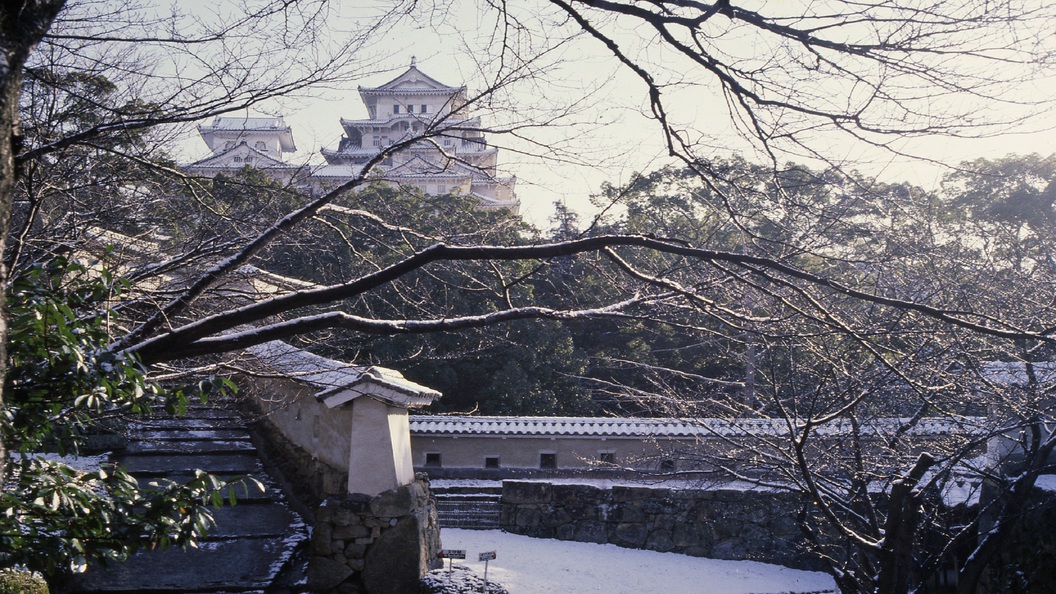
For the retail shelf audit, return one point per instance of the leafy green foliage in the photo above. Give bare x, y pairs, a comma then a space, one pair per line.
59, 511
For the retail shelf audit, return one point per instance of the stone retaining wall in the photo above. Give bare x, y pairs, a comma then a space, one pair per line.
756, 525
375, 545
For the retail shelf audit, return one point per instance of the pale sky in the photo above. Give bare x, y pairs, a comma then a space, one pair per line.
607, 132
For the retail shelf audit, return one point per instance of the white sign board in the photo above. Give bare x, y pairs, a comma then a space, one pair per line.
487, 556
452, 554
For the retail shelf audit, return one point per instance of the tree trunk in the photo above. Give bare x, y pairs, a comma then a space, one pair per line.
22, 25
896, 560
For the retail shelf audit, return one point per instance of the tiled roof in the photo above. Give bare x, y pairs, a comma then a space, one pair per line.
670, 428
331, 376
1014, 373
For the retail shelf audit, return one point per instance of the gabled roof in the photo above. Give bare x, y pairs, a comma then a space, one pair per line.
338, 382
217, 159
411, 81
231, 127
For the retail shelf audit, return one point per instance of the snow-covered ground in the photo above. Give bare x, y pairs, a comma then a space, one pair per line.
540, 566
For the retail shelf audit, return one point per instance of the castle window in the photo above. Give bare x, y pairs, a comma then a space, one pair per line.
423, 109
410, 108
395, 109
248, 159
238, 159
377, 141
548, 461
667, 465
441, 189
491, 462
432, 460
607, 457
260, 146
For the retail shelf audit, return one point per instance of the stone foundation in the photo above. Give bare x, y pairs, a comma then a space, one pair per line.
375, 545
736, 525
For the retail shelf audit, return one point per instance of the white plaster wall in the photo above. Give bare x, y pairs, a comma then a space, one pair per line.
523, 451
379, 456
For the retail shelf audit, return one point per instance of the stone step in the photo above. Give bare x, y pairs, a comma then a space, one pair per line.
254, 520
184, 423
467, 490
245, 492
200, 433
469, 511
164, 464
189, 446
227, 565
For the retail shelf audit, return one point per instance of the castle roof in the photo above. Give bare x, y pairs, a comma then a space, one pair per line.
231, 127
412, 81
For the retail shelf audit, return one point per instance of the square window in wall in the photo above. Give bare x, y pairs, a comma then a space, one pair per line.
607, 457
423, 110
395, 109
432, 460
667, 465
548, 461
441, 189
491, 462
410, 109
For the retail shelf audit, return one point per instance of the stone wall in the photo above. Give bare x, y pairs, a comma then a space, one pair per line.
374, 545
756, 525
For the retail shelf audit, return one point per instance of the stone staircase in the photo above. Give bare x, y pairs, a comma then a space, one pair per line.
252, 542
471, 508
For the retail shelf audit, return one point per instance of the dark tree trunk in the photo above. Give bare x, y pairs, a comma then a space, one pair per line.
22, 25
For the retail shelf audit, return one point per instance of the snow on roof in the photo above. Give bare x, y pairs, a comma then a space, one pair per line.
226, 127
667, 428
339, 170
339, 382
1014, 373
414, 81
247, 123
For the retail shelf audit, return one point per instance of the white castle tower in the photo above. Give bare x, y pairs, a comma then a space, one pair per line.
239, 142
458, 158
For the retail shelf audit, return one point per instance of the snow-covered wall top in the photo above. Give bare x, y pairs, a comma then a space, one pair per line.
637, 427
331, 376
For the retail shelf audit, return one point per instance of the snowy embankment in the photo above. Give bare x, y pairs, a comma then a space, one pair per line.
540, 566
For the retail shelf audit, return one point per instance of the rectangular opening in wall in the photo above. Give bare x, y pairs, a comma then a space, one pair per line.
667, 465
548, 461
491, 462
395, 109
432, 460
422, 110
607, 457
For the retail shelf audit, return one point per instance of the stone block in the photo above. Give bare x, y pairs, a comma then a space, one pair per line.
555, 517
627, 512
321, 537
631, 534
660, 540
529, 517
523, 492
355, 551
565, 532
351, 532
393, 504
326, 574
397, 560
591, 532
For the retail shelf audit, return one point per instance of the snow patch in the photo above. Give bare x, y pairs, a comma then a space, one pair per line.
539, 566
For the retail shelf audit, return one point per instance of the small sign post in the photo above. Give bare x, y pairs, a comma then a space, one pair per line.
451, 555
485, 557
